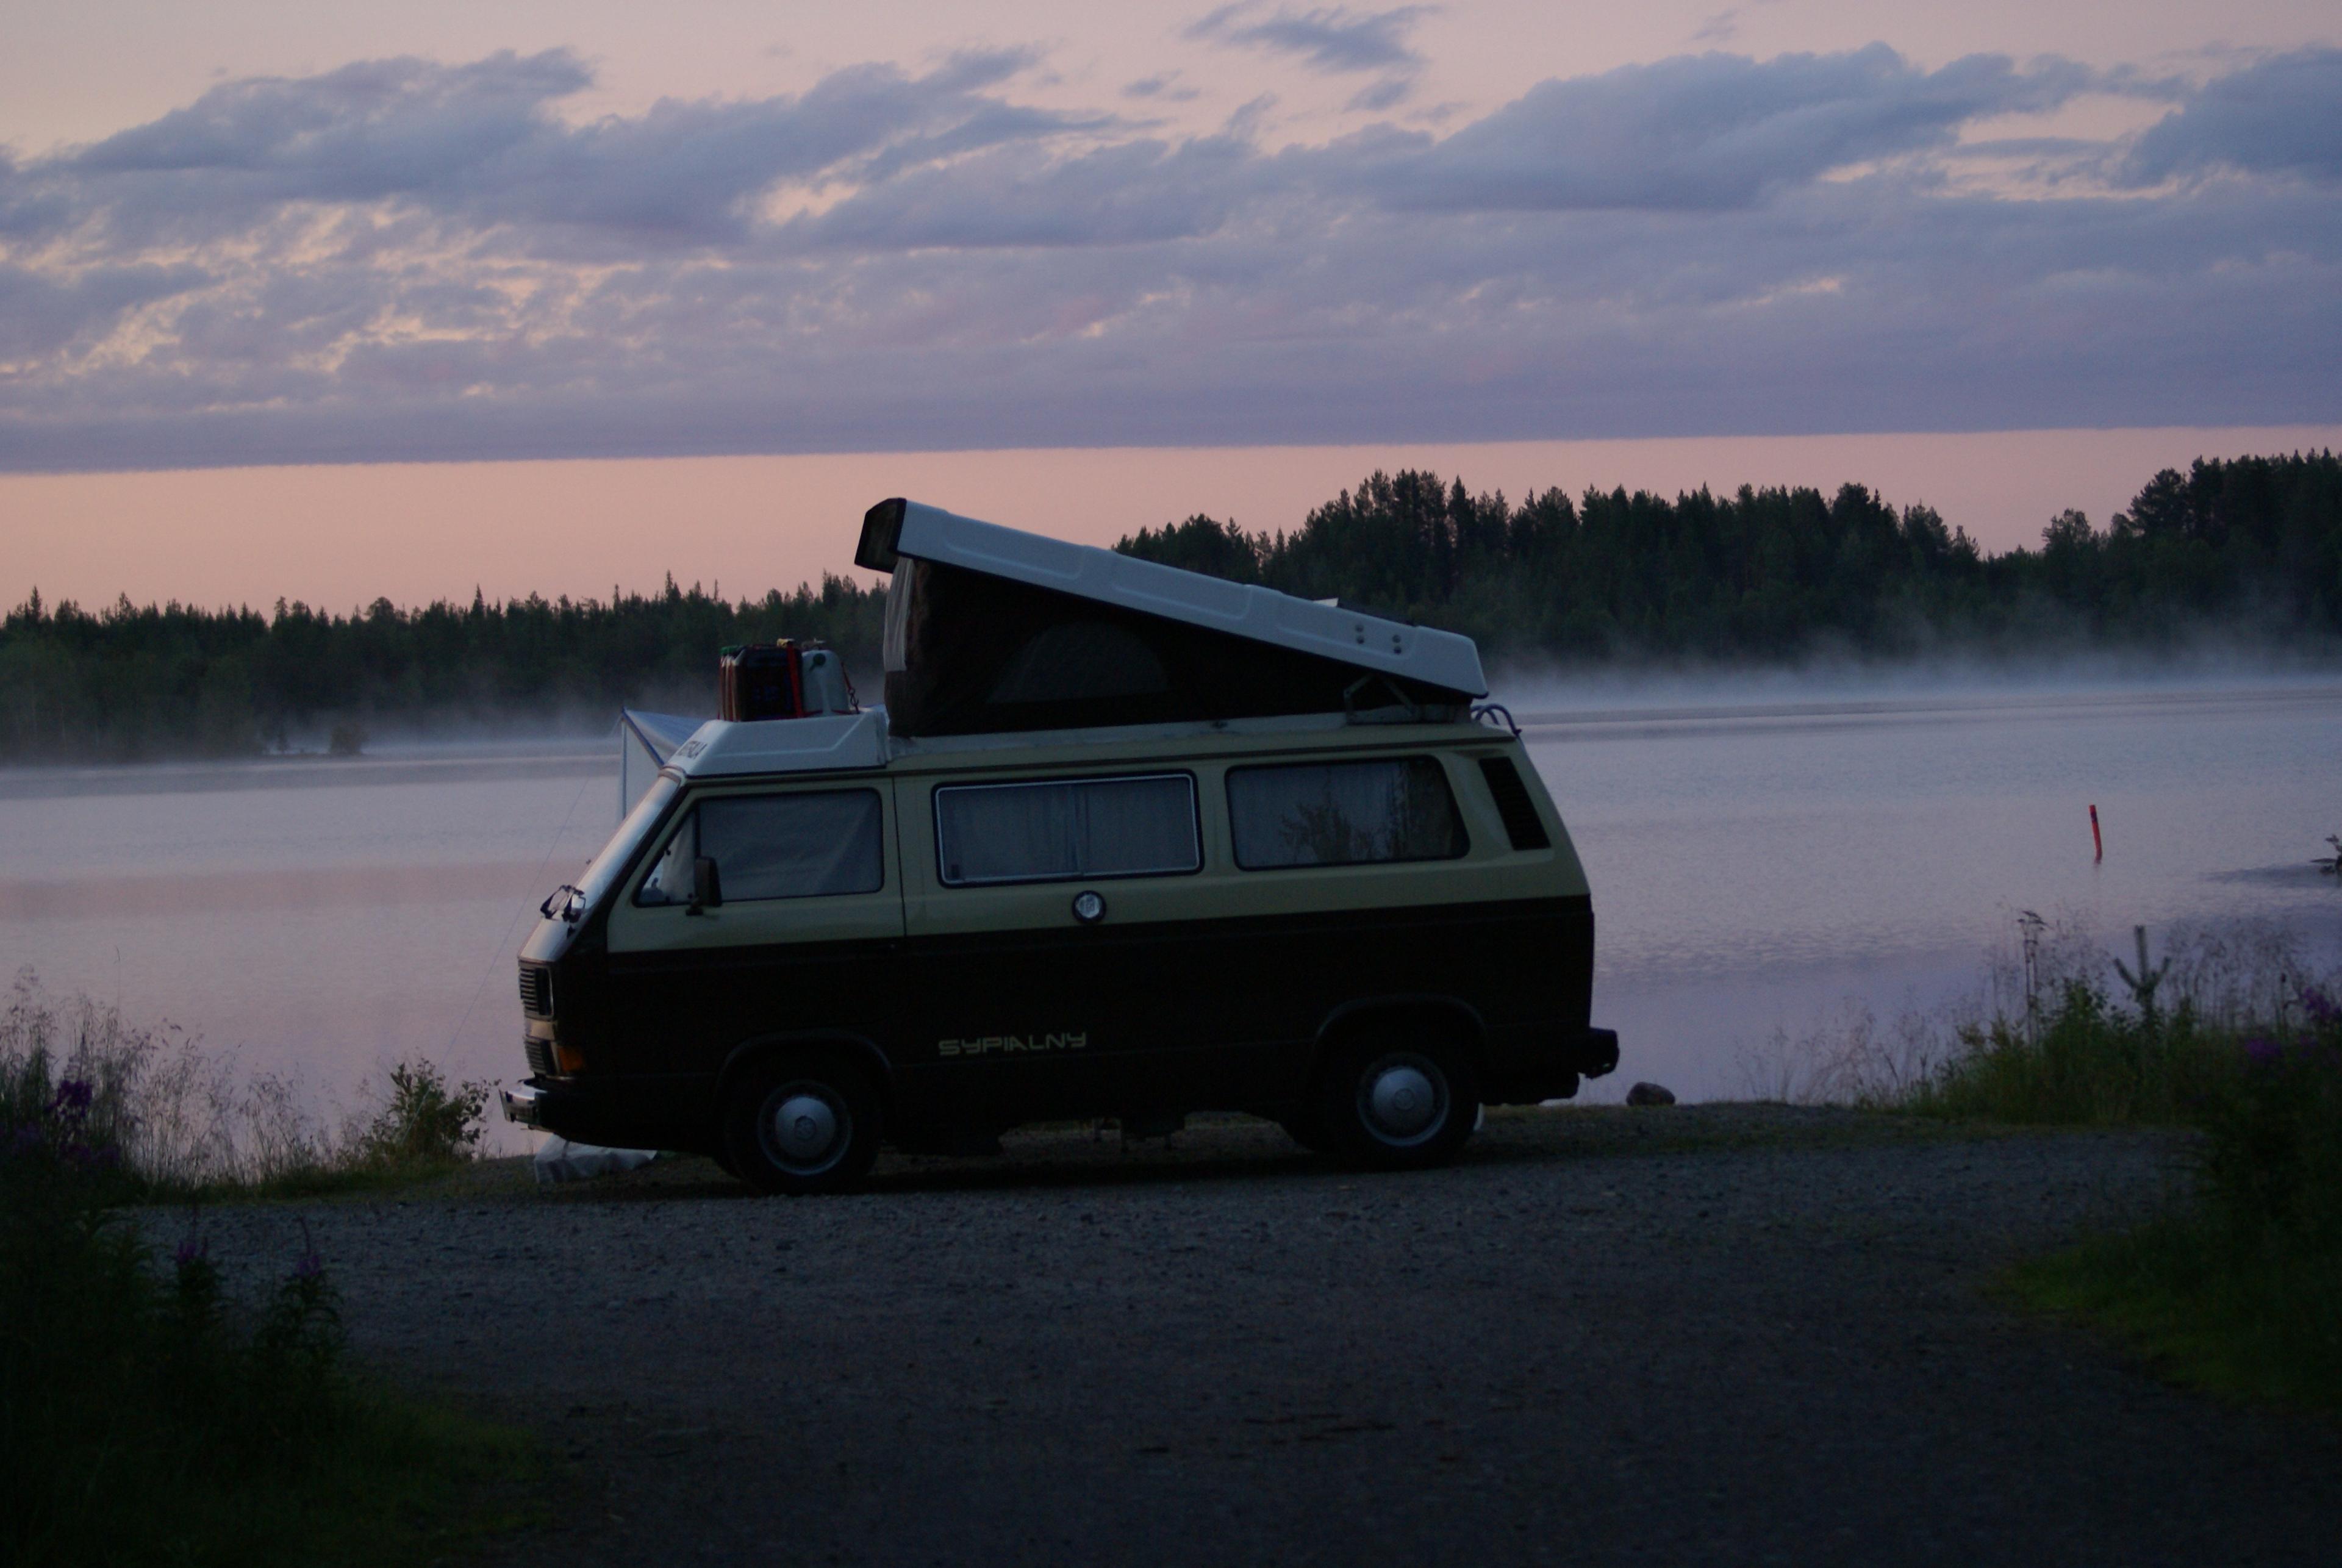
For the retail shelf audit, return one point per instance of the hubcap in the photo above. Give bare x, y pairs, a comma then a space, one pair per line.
1403, 1099
804, 1128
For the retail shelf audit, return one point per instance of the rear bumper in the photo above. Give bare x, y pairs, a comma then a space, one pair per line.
1530, 1073
1601, 1052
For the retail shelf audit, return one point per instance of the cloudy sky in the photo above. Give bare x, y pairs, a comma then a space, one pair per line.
262, 235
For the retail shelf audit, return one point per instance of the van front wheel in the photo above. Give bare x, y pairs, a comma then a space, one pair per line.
801, 1124
1399, 1104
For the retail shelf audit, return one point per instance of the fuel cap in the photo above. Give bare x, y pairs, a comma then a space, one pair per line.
1088, 908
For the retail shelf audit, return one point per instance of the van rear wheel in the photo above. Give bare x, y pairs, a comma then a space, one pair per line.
1400, 1101
801, 1124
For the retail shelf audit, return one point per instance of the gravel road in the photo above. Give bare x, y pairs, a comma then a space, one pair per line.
1699, 1335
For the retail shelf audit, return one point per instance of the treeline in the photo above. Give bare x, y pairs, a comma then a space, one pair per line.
2251, 548
130, 682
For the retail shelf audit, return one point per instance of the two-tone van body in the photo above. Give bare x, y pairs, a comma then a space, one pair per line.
811, 935
1125, 840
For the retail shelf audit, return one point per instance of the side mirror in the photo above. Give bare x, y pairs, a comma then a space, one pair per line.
706, 885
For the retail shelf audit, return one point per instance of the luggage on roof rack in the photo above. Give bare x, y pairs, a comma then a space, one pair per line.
783, 680
993, 630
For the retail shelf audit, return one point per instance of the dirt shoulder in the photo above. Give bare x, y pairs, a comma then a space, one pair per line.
1707, 1333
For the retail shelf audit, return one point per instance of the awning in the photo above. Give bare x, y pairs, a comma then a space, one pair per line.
646, 741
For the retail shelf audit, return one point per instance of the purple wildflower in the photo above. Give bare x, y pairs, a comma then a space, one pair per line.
2260, 1048
2322, 1009
309, 1268
191, 1252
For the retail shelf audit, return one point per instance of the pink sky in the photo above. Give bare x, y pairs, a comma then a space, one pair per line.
1168, 257
338, 536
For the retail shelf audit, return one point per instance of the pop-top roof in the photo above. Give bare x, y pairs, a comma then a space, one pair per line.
1419, 653
817, 742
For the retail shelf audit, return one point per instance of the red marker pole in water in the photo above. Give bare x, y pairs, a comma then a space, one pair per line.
2095, 842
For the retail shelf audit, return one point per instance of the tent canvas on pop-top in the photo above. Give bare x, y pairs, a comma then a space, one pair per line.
993, 630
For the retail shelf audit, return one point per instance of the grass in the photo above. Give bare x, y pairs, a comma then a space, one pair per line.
2237, 1286
2260, 1323
2083, 1062
146, 1418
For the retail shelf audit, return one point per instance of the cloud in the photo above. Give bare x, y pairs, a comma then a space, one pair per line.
1164, 85
410, 260
1131, 193
1703, 131
1334, 39
42, 315
1720, 28
480, 144
2280, 116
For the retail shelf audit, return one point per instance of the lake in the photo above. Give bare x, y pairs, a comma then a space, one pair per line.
1762, 861
1763, 852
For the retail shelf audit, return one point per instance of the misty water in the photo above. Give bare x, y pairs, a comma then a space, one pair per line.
1763, 854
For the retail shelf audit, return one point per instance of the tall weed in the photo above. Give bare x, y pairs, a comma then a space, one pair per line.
2053, 1035
178, 1120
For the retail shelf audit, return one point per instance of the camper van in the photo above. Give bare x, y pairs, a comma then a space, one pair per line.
1122, 842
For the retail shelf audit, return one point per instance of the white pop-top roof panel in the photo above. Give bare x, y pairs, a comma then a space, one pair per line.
1420, 653
723, 747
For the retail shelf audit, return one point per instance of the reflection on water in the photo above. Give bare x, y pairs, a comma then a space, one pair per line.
1756, 860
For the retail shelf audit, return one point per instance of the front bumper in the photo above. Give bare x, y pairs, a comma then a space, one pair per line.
651, 1112
523, 1105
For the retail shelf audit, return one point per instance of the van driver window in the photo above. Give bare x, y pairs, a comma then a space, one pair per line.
1076, 829
774, 846
1343, 814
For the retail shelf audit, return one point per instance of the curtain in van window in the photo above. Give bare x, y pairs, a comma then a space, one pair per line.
1061, 832
1343, 814
776, 846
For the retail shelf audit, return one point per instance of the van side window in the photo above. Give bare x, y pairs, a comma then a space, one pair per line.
774, 846
1343, 814
1513, 804
1066, 830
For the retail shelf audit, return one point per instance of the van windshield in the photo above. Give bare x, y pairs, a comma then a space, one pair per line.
605, 867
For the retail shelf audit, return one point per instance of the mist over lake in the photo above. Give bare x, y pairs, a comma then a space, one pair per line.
1763, 850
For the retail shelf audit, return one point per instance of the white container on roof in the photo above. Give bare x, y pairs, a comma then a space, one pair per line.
1446, 659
